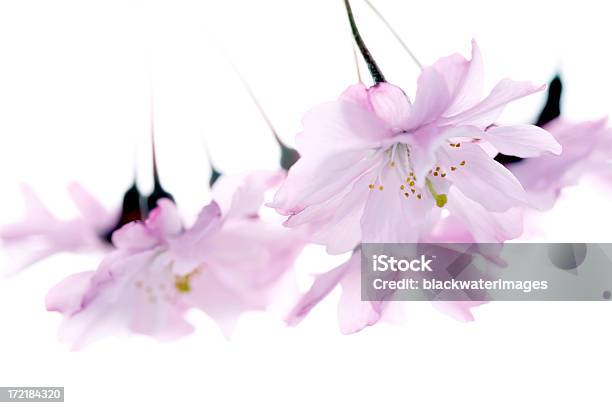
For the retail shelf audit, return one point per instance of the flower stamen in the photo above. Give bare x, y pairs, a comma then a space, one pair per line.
441, 199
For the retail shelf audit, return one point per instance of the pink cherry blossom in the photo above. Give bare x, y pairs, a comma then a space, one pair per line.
377, 168
226, 263
41, 234
355, 314
587, 150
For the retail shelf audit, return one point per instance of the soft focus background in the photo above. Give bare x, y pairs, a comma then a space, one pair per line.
74, 106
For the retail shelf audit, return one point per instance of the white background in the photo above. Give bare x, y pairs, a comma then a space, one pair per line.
74, 106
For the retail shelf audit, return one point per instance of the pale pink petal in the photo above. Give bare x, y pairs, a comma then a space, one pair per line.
358, 94
486, 112
266, 253
355, 314
340, 125
224, 305
522, 140
208, 220
426, 142
243, 196
35, 209
187, 249
317, 178
322, 286
92, 210
134, 236
481, 178
485, 226
67, 296
465, 80
38, 219
544, 177
431, 100
164, 220
342, 231
390, 216
390, 104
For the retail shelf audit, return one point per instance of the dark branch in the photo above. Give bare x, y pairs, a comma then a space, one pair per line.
377, 75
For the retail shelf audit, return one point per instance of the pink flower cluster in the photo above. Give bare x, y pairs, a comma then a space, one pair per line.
375, 167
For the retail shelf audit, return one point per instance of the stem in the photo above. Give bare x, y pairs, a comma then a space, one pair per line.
214, 173
158, 191
288, 155
359, 79
395, 34
375, 72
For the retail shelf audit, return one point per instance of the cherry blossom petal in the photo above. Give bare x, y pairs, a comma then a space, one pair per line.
544, 178
522, 140
432, 99
135, 236
164, 220
92, 210
482, 179
464, 79
322, 286
358, 94
315, 179
390, 104
342, 231
486, 112
243, 196
340, 125
67, 296
485, 226
354, 314
390, 216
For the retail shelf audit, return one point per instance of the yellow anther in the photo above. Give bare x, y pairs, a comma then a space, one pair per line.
381, 188
441, 200
402, 187
182, 283
411, 183
462, 163
453, 168
371, 186
435, 173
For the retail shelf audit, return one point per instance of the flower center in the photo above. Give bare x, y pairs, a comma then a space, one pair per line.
165, 288
182, 283
398, 158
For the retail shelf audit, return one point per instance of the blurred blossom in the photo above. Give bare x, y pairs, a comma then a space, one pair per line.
228, 262
587, 150
41, 234
354, 314
377, 168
